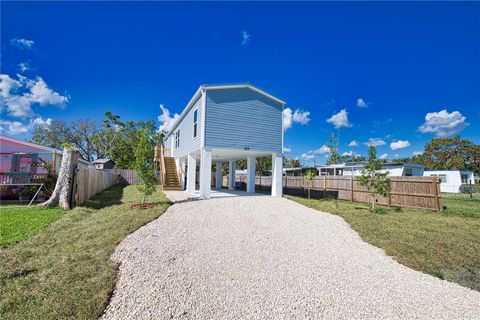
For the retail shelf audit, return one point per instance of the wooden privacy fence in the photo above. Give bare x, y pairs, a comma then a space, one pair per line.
128, 176
405, 192
89, 182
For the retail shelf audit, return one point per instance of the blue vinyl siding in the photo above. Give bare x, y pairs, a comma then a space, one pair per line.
243, 118
187, 142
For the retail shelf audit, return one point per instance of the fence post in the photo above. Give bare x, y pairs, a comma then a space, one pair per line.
324, 187
351, 187
437, 198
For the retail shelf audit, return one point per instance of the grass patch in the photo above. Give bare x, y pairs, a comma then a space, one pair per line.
65, 271
446, 245
17, 224
461, 205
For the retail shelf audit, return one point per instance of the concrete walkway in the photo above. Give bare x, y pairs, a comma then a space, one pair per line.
257, 257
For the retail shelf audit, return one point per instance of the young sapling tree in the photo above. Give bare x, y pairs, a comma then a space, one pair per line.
144, 165
376, 182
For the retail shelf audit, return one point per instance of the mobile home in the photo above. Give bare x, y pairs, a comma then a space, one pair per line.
451, 180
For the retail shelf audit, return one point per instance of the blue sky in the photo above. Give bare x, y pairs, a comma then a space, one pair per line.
376, 70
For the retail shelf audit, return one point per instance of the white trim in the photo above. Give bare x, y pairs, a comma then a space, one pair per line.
248, 86
203, 114
184, 112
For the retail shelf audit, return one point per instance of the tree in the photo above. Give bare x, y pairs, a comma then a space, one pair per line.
450, 154
309, 175
263, 165
376, 182
117, 140
78, 134
352, 158
291, 163
332, 144
144, 164
61, 193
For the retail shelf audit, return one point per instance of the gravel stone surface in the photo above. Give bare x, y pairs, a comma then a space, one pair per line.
269, 258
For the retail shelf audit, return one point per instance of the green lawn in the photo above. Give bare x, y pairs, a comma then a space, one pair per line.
446, 245
461, 204
65, 271
18, 224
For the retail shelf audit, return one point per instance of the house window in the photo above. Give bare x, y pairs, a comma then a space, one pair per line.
464, 178
177, 139
195, 123
441, 177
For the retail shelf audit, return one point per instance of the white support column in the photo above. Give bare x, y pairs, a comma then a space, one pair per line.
205, 174
218, 175
277, 175
182, 172
191, 172
251, 174
231, 175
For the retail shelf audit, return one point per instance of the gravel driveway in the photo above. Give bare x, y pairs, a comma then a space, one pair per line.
270, 258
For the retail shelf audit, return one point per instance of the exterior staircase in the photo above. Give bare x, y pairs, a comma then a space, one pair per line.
172, 181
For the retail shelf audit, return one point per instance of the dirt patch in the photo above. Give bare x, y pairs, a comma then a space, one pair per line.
143, 206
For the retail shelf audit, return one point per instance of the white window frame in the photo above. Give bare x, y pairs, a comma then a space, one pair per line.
195, 123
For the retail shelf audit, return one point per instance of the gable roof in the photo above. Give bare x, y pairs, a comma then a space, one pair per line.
206, 87
30, 144
37, 146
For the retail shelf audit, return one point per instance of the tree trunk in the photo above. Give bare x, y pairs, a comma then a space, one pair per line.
62, 191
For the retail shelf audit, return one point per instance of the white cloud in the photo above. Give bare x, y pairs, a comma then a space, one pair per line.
39, 121
40, 93
308, 156
322, 149
375, 142
23, 66
16, 127
443, 123
290, 117
287, 118
384, 156
18, 96
351, 153
7, 85
361, 103
399, 144
22, 43
301, 116
13, 127
417, 153
287, 150
340, 119
353, 143
166, 120
245, 37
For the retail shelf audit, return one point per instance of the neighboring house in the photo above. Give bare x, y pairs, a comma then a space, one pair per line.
101, 164
355, 169
17, 156
451, 180
298, 172
226, 123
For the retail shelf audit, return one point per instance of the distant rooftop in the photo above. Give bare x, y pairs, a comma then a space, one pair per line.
102, 160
